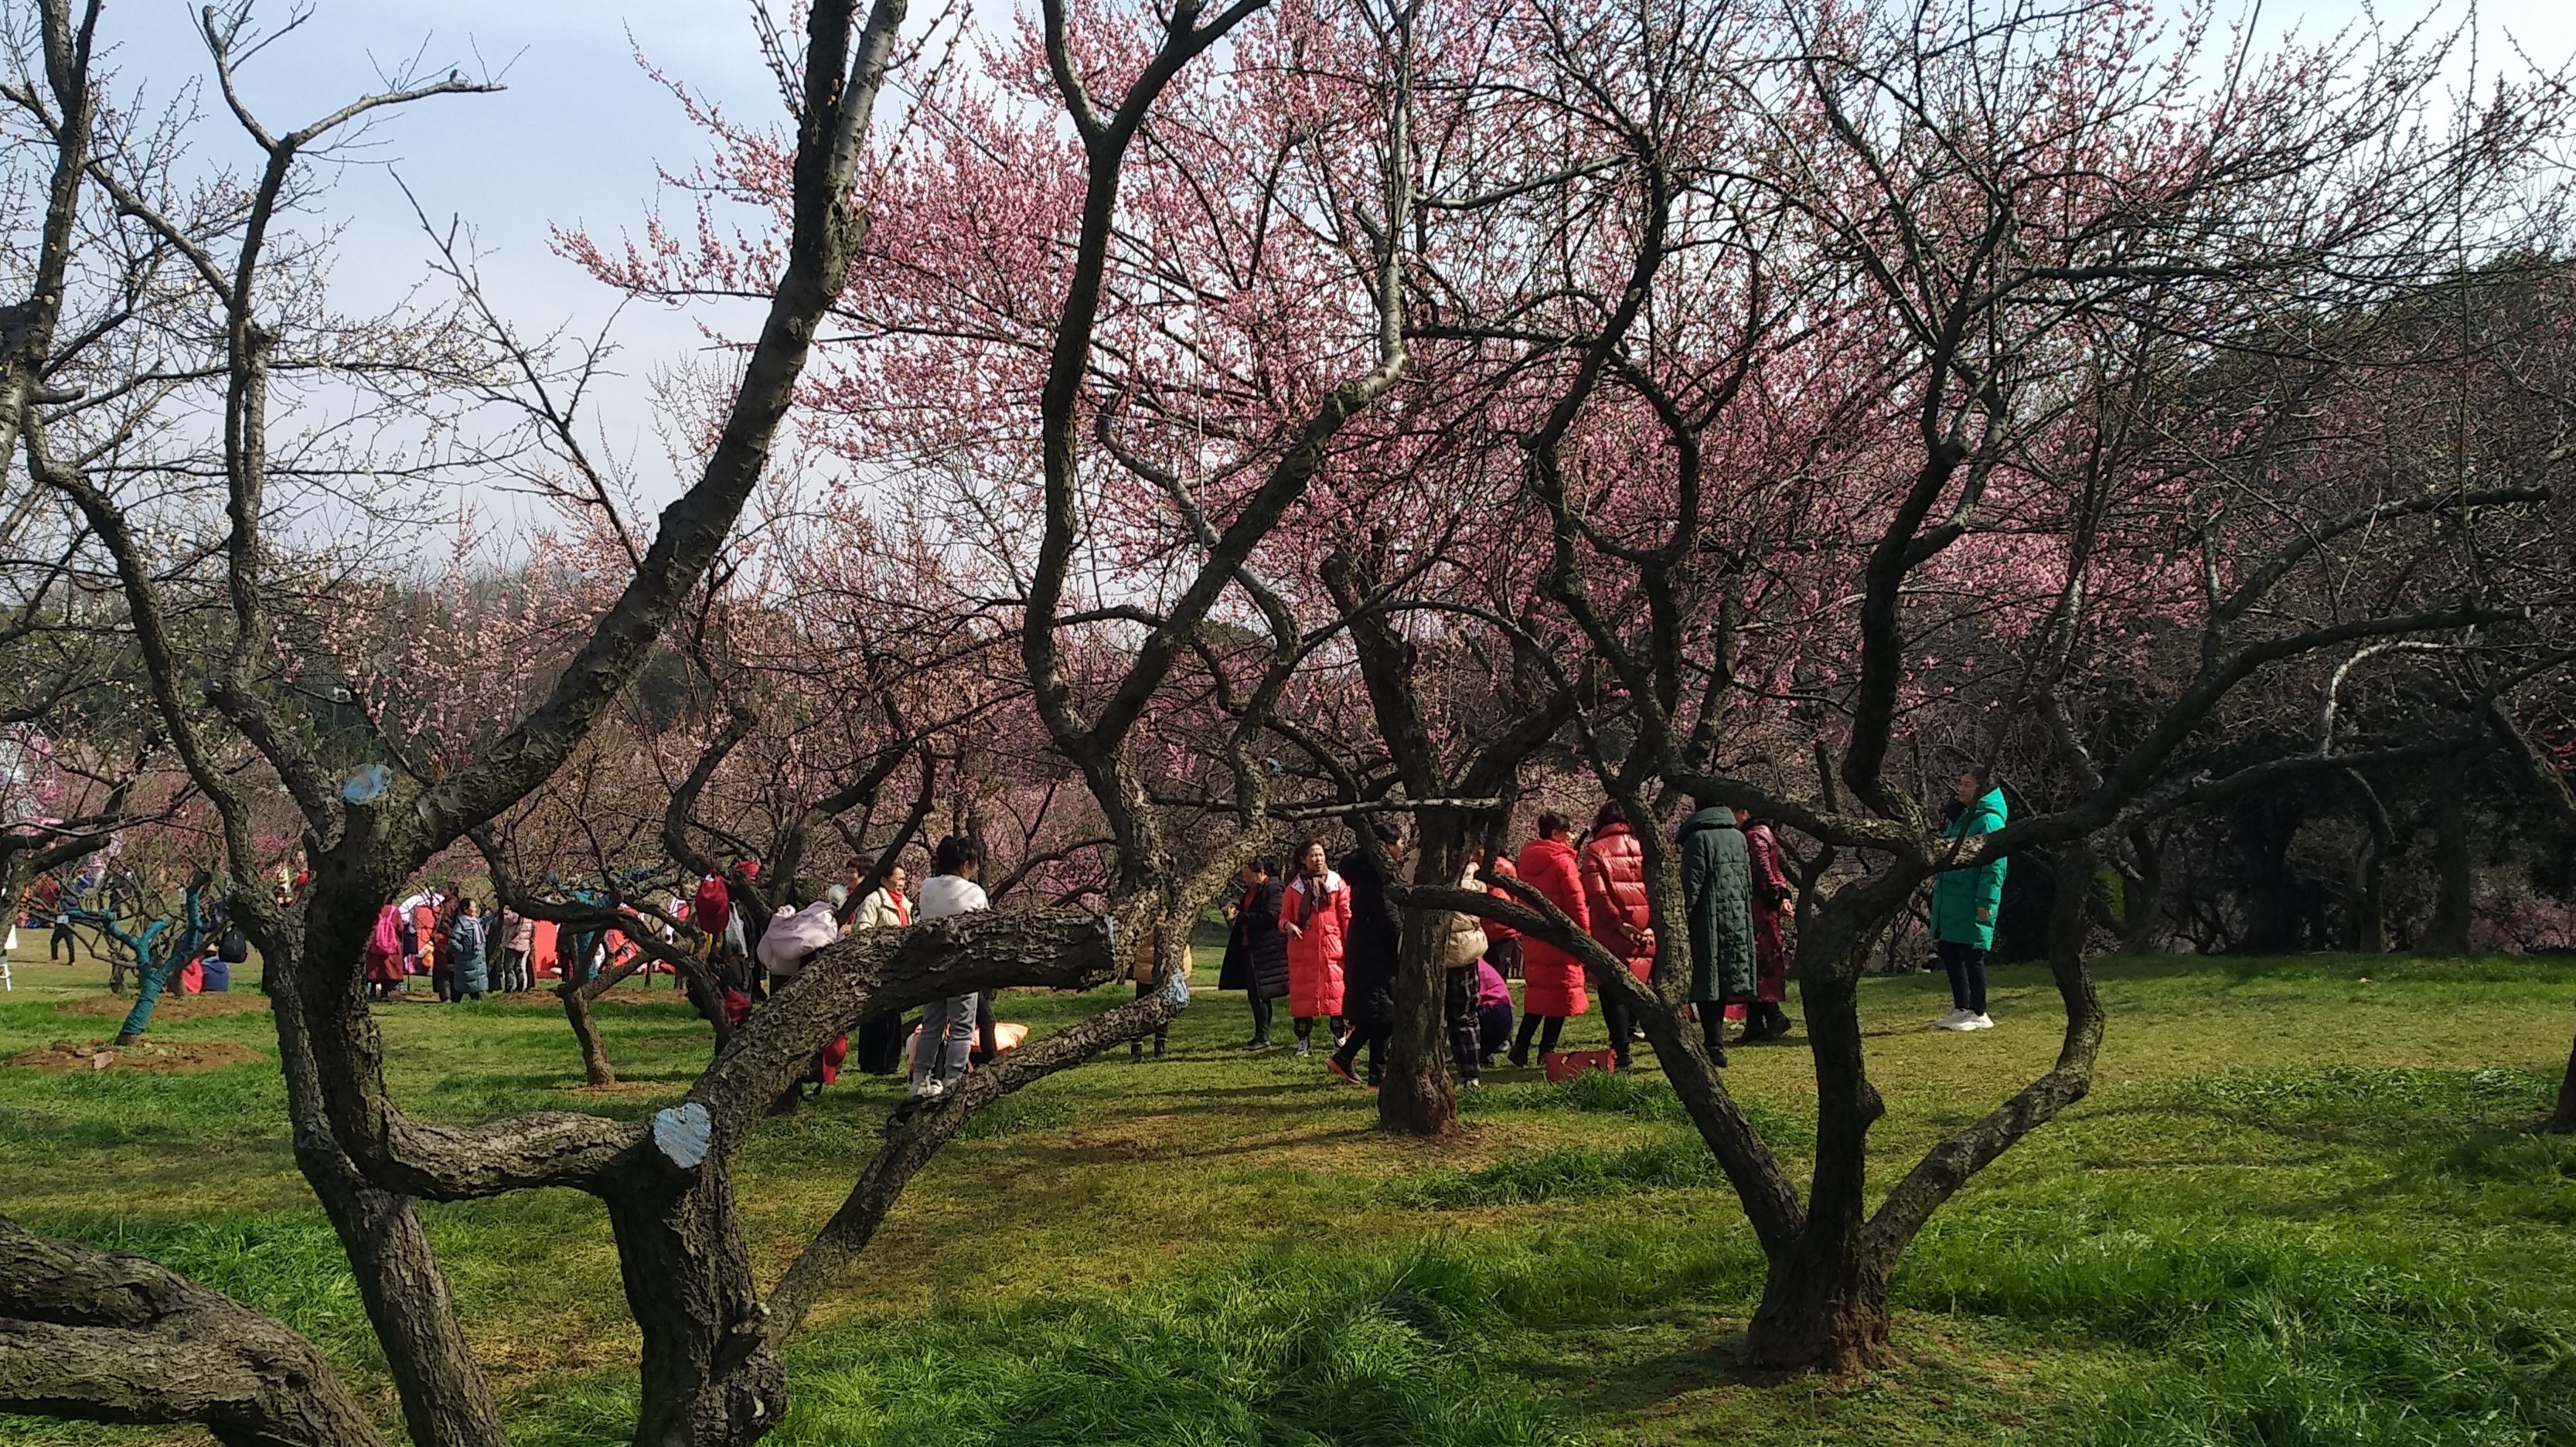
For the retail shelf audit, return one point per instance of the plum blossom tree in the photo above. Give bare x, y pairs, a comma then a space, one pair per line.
208, 636
1984, 219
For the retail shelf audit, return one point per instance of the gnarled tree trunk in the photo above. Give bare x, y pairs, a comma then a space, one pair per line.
1824, 1304
1824, 1299
1418, 1097
710, 1373
105, 1336
595, 1068
446, 1399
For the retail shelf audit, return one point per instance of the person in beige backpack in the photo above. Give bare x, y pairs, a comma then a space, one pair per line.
1140, 968
1459, 955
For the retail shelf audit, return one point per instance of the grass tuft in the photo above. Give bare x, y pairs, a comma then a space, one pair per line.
1638, 1097
1573, 1172
2353, 1099
2263, 1337
1286, 1348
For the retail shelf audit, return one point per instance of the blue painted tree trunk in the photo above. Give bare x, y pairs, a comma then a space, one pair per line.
152, 976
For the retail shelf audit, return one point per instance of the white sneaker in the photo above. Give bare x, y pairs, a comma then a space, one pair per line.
1305, 1048
931, 1089
1979, 1022
1950, 1021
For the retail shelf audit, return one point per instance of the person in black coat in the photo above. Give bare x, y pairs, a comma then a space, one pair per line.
1369, 959
1256, 951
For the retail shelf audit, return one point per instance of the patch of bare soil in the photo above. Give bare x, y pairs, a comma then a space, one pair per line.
528, 997
173, 1006
190, 1057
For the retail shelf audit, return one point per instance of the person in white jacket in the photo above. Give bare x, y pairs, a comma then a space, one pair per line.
885, 906
947, 1025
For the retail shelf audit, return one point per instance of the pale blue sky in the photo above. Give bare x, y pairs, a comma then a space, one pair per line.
576, 137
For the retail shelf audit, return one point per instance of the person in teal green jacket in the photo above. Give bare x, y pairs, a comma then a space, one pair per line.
1964, 902
1717, 896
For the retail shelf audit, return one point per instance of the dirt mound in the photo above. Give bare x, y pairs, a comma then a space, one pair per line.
193, 1057
175, 1006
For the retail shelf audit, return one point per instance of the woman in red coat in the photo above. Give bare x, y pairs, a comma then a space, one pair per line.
1502, 942
1614, 892
1551, 979
1315, 914
1773, 898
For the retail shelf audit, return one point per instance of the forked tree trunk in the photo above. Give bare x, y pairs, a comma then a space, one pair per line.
150, 980
1824, 1299
595, 1068
1824, 1304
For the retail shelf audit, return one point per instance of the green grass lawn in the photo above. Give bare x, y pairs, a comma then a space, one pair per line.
2294, 1210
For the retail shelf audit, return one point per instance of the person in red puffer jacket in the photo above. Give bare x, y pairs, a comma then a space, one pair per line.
1551, 979
1614, 896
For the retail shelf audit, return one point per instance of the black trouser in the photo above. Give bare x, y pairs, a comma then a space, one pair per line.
988, 1041
1493, 1030
1371, 1008
1458, 1011
1712, 1030
1505, 956
1260, 1015
1614, 1013
1967, 967
63, 940
1162, 1032
880, 1043
442, 980
1530, 1026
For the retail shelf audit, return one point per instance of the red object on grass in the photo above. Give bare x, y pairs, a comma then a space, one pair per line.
1563, 1065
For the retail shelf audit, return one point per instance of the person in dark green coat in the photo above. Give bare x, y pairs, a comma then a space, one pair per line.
1717, 898
1964, 903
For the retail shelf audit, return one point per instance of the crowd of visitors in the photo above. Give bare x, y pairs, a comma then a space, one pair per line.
1327, 937
1324, 933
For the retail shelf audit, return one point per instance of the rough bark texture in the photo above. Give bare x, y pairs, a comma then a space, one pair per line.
1824, 1303
446, 1399
1418, 1097
710, 1374
595, 1069
1823, 1309
105, 1336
